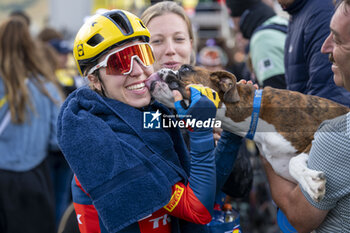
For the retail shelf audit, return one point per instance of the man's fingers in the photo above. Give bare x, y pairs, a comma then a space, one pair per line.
242, 81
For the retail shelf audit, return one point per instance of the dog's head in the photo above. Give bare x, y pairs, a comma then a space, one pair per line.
164, 81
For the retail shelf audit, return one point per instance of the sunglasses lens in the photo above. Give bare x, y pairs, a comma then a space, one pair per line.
120, 62
145, 53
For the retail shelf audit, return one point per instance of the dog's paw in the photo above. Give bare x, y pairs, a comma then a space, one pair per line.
313, 182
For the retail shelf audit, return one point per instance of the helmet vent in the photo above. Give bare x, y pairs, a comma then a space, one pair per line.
95, 40
142, 24
122, 22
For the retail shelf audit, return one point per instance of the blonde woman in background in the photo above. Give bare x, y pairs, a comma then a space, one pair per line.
173, 40
172, 37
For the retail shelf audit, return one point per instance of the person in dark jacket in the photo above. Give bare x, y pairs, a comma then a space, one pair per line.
266, 32
307, 69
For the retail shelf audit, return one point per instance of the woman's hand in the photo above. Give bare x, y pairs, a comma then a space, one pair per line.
202, 107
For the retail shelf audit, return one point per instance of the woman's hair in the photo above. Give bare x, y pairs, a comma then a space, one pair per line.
165, 7
20, 59
50, 54
48, 34
347, 4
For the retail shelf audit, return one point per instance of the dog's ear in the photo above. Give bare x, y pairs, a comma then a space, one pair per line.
231, 95
226, 82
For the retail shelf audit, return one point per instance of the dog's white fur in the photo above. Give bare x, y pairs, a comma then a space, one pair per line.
279, 153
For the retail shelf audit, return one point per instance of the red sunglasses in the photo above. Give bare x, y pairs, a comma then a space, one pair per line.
121, 61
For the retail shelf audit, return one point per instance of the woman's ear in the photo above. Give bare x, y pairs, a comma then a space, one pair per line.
94, 82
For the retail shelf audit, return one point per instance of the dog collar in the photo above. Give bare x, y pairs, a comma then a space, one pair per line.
255, 114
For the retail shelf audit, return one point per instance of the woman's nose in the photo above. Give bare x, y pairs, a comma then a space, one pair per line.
138, 68
170, 48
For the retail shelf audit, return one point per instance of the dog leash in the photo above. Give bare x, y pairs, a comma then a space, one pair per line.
255, 114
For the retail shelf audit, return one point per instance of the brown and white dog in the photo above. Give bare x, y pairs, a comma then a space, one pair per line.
287, 119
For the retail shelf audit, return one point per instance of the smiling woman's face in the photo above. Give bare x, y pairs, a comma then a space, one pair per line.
170, 40
129, 89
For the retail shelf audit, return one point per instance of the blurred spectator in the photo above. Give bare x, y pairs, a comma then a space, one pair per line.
50, 55
232, 59
30, 99
270, 3
21, 14
66, 71
49, 33
237, 61
267, 32
63, 51
65, 78
307, 69
212, 58
57, 51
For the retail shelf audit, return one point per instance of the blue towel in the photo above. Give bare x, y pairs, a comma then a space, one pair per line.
127, 170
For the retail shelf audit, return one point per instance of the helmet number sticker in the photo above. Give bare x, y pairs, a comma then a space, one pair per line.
80, 50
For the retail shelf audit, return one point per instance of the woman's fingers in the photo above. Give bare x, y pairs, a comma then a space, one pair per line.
177, 95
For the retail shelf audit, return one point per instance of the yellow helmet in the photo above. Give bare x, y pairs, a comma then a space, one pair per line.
103, 32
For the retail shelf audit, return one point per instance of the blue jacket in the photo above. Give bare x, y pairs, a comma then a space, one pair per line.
23, 147
307, 69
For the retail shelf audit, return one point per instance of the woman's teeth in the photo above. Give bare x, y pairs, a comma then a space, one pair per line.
137, 86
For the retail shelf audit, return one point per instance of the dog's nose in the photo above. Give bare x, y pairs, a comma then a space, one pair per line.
154, 77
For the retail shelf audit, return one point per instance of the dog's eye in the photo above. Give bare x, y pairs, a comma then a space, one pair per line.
174, 86
185, 68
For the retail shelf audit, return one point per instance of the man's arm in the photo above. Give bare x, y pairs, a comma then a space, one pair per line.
288, 196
